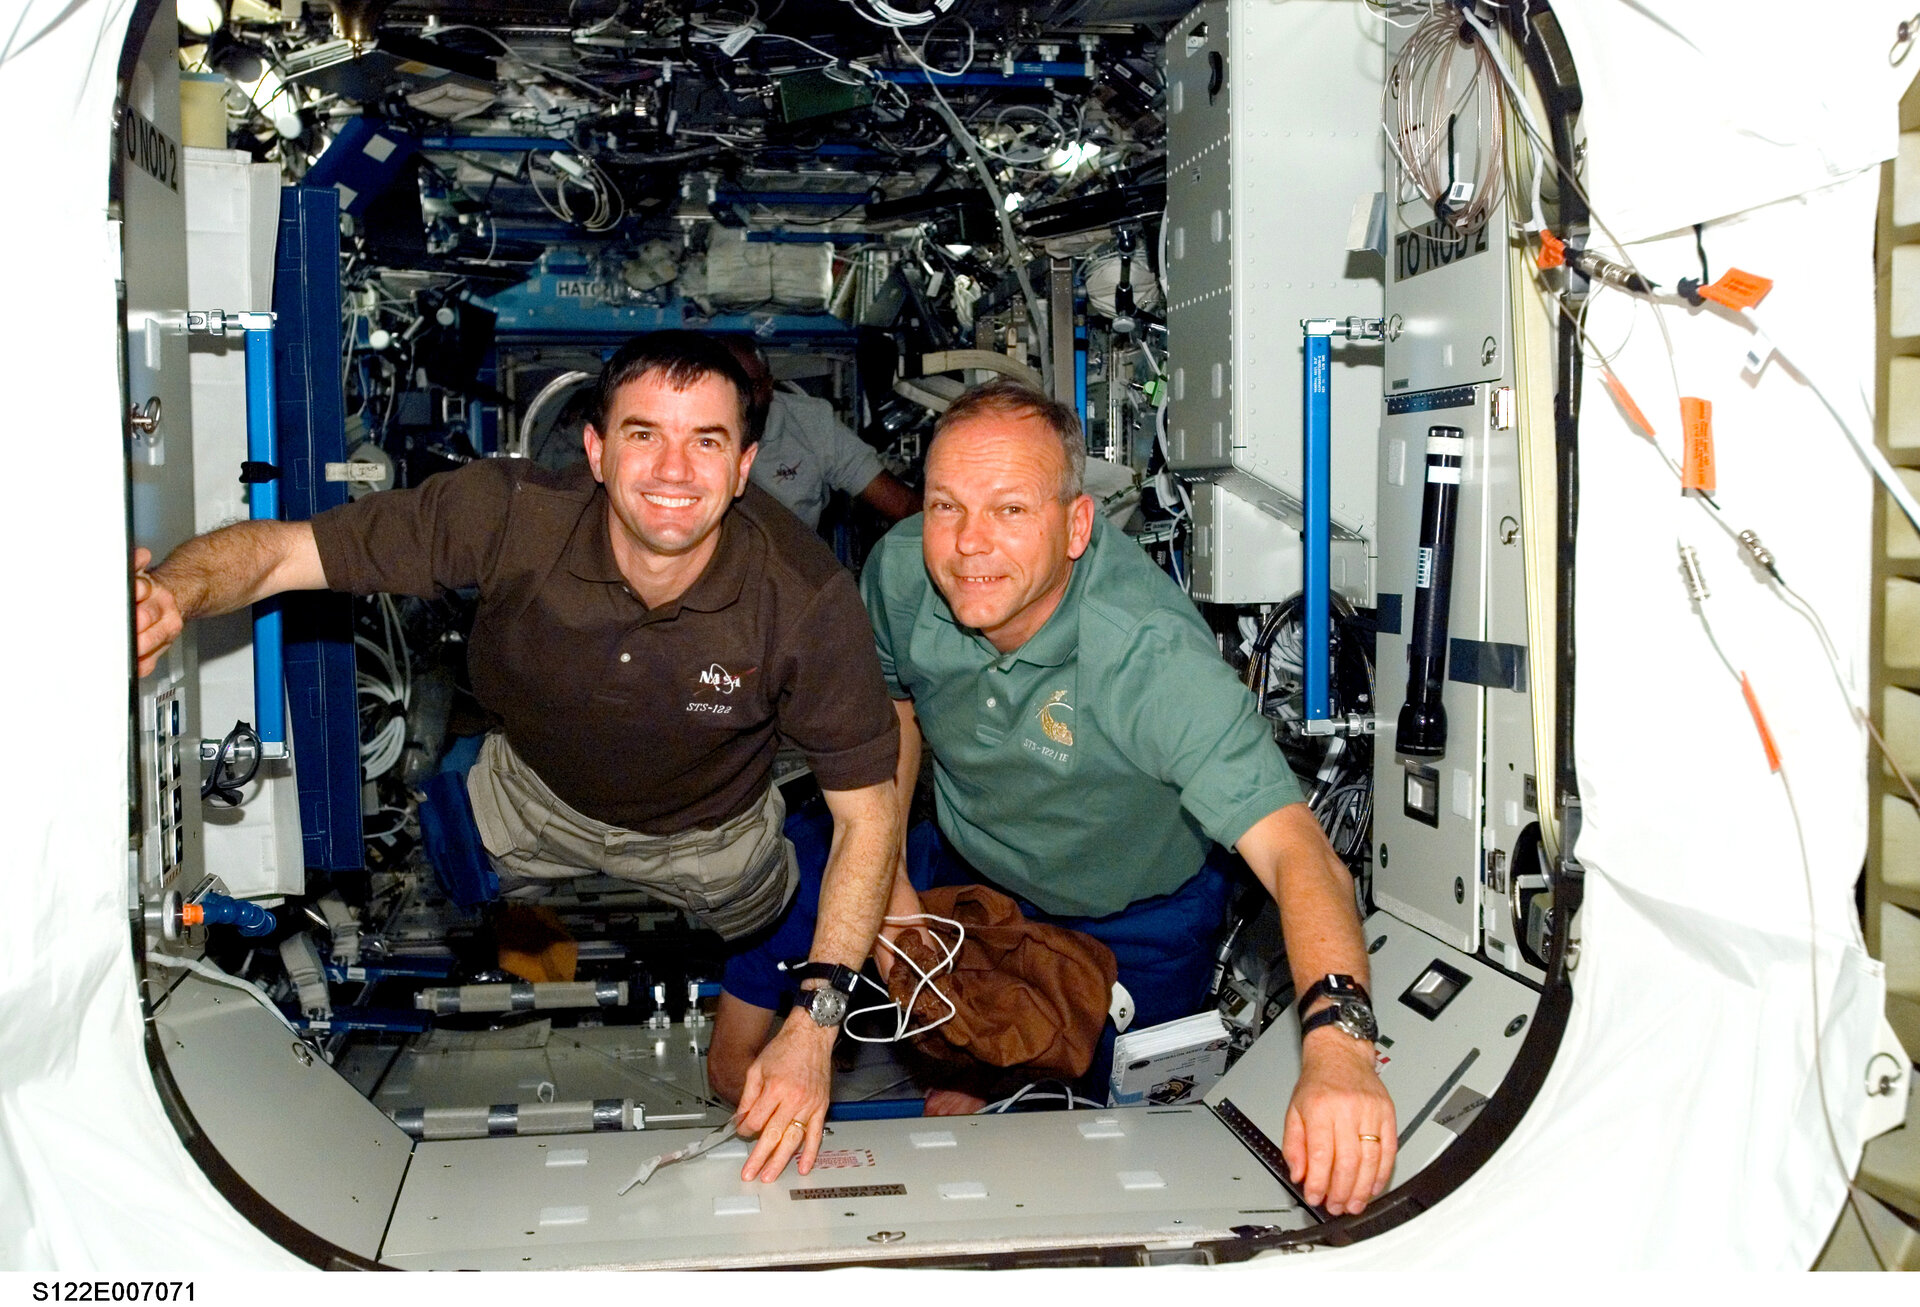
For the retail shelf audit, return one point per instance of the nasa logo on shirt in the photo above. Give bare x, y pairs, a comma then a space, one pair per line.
786, 472
720, 678
716, 677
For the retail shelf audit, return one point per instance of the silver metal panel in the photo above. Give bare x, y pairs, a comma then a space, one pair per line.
1511, 792
1430, 875
1199, 240
665, 1070
1245, 553
1448, 293
1447, 308
1452, 318
1199, 379
1156, 1176
1420, 1059
1200, 227
282, 1118
1239, 553
1262, 179
154, 273
1196, 119
232, 219
1306, 148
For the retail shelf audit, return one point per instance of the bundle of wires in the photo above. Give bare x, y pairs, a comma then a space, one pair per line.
885, 15
1341, 795
385, 685
1421, 106
580, 173
903, 1012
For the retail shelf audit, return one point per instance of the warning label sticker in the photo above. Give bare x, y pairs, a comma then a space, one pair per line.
837, 1158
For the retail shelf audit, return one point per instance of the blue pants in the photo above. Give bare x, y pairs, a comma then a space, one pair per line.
753, 973
1164, 946
448, 831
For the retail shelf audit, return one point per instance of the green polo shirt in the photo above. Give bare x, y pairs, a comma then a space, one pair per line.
1087, 769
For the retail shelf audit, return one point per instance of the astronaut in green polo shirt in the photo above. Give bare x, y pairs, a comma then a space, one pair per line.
1089, 746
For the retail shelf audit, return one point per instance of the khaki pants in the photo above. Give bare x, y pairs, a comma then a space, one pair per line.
733, 879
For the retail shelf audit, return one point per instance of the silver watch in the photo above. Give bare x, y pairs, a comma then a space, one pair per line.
1354, 1017
826, 1005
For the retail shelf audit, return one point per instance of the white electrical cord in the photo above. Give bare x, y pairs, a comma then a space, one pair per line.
1697, 586
919, 56
1384, 12
881, 14
1869, 453
904, 1012
609, 206
1032, 158
1536, 140
393, 690
1025, 1094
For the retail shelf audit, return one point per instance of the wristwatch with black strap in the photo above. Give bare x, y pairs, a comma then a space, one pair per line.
1351, 1009
827, 1004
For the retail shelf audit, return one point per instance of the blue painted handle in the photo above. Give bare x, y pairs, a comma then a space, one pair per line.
252, 919
263, 504
1317, 527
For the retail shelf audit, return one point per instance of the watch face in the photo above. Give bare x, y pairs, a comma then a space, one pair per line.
1356, 1019
827, 1006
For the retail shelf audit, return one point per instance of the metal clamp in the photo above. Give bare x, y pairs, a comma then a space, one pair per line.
1355, 724
1350, 328
223, 322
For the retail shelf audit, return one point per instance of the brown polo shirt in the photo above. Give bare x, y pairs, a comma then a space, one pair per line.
656, 720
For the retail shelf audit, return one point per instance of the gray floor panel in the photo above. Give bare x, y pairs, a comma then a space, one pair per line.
664, 1069
923, 1185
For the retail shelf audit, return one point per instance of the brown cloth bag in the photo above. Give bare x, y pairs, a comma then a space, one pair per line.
1026, 994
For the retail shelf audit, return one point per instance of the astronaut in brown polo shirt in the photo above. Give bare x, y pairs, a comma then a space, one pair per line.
649, 627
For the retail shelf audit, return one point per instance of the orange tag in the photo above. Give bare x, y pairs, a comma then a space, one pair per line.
1553, 250
1696, 466
1625, 401
1760, 721
1737, 290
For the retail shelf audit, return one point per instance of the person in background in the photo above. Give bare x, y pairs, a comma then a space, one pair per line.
807, 453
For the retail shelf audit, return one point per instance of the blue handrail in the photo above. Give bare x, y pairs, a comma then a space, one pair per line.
263, 504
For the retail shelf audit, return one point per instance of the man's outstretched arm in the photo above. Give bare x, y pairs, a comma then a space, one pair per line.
1339, 1140
784, 1101
891, 497
903, 901
217, 573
